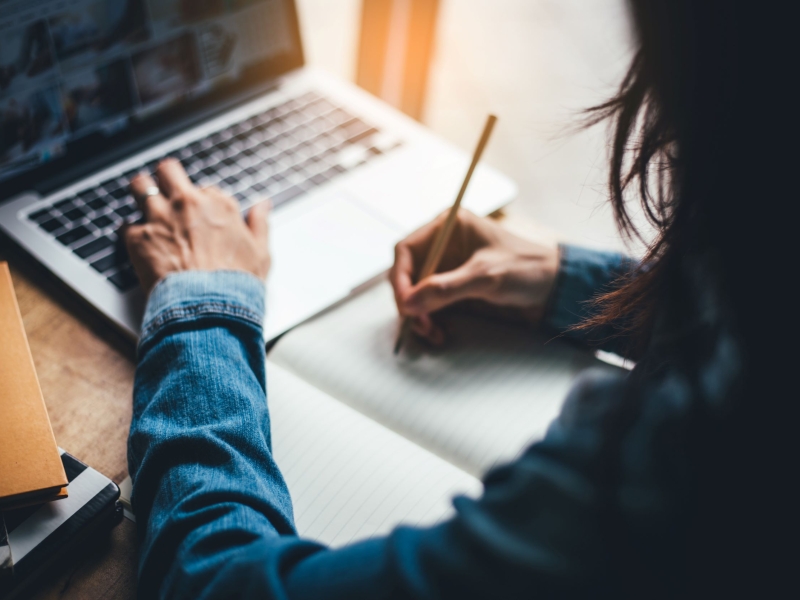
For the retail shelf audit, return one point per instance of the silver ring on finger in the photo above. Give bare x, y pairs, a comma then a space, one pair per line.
149, 192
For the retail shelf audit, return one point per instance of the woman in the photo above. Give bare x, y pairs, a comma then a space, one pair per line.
643, 486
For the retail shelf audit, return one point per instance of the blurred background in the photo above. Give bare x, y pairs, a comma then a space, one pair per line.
534, 63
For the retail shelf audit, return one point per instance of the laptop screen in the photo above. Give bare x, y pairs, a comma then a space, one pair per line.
82, 78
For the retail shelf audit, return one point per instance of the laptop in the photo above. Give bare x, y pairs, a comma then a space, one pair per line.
94, 91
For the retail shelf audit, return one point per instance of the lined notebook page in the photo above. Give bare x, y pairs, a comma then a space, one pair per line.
349, 477
481, 400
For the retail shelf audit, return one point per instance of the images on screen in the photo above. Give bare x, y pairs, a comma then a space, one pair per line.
167, 71
26, 55
83, 32
93, 96
71, 69
32, 125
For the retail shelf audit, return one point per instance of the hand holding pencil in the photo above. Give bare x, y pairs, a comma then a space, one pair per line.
460, 256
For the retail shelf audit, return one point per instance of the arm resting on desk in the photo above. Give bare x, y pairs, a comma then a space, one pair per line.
205, 485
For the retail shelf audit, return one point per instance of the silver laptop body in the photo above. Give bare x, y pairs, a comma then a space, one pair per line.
90, 95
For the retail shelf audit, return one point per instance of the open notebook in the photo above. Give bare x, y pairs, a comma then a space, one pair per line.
367, 440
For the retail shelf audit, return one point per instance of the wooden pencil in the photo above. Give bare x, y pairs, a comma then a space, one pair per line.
443, 237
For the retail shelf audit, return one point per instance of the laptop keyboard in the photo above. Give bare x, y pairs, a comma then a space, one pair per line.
280, 153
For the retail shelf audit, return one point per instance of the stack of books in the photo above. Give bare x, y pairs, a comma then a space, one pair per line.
49, 500
30, 466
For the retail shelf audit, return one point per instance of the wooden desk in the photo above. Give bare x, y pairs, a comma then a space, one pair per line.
86, 372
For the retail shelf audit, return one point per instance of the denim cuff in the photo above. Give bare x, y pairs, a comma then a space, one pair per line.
583, 274
193, 295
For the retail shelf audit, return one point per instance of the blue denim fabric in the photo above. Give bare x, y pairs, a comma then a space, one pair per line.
215, 516
583, 275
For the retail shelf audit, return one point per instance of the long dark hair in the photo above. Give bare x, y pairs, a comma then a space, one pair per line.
697, 127
675, 118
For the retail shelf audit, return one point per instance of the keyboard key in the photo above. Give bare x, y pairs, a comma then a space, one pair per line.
319, 107
108, 262
308, 97
293, 118
318, 179
304, 166
333, 171
225, 146
88, 195
102, 221
75, 214
215, 157
93, 247
192, 168
361, 135
98, 203
352, 156
184, 153
40, 215
125, 279
286, 195
73, 235
63, 205
245, 198
118, 192
354, 126
318, 126
264, 118
51, 225
338, 116
125, 210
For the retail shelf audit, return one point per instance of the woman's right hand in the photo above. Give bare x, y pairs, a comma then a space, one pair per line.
483, 261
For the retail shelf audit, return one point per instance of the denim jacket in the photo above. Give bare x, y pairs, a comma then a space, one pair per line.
572, 517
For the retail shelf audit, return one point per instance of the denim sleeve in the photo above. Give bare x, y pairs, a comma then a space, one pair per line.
205, 485
214, 513
584, 274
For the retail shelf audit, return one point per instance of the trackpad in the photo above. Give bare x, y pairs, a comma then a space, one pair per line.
320, 256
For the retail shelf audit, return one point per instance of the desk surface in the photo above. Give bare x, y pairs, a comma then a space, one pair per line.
86, 374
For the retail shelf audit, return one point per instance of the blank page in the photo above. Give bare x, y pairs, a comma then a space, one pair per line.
349, 477
482, 399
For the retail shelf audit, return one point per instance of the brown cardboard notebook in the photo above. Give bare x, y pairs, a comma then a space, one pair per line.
30, 465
